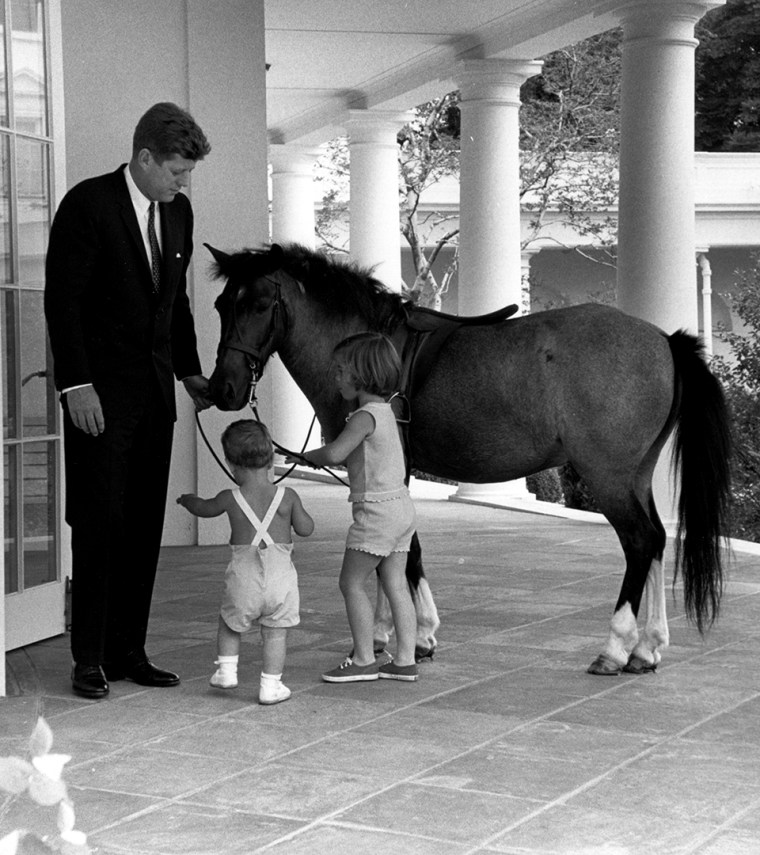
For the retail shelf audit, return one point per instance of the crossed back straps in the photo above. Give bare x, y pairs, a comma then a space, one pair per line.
260, 526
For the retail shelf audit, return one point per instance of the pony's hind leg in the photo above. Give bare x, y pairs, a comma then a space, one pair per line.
643, 542
646, 654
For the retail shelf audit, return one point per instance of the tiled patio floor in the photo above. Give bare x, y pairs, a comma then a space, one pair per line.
505, 745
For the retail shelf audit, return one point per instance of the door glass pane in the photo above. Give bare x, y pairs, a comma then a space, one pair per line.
10, 514
10, 357
33, 209
39, 513
29, 73
6, 261
3, 71
37, 390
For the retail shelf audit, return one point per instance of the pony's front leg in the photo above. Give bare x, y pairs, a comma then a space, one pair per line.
427, 621
383, 620
622, 639
646, 654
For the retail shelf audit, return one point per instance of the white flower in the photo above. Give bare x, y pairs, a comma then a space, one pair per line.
78, 838
9, 843
51, 765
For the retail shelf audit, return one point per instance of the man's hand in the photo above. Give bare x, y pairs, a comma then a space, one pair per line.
197, 389
85, 410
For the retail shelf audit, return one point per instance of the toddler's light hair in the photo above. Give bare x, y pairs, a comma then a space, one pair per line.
372, 361
247, 444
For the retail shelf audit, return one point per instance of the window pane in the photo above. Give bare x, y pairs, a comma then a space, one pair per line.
29, 74
10, 356
33, 209
39, 513
10, 513
37, 389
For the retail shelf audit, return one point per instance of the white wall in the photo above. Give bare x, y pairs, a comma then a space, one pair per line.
121, 56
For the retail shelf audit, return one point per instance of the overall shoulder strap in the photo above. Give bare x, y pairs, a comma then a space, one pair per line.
259, 526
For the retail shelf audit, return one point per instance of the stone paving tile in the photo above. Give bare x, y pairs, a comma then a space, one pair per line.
611, 829
350, 840
456, 816
289, 791
181, 829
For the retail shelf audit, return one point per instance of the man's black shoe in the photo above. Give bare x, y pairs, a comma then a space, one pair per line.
139, 669
89, 681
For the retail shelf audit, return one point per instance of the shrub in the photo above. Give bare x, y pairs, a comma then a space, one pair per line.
740, 376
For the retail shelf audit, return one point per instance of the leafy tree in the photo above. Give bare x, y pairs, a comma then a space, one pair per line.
569, 141
728, 78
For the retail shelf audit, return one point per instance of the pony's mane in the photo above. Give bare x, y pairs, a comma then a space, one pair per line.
344, 288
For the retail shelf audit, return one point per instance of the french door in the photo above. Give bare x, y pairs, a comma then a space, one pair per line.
34, 583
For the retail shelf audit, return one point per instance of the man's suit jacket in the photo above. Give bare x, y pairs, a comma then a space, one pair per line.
105, 325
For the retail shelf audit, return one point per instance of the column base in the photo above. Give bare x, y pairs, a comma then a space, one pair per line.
506, 491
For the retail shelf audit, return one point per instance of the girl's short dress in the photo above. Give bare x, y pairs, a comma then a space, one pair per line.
383, 512
260, 583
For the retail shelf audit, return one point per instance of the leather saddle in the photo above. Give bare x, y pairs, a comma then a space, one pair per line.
428, 331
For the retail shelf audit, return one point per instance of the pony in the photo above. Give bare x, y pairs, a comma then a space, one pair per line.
502, 399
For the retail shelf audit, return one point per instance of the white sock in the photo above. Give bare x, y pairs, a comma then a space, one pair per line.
270, 678
228, 665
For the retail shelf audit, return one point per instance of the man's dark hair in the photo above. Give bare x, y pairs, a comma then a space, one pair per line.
165, 130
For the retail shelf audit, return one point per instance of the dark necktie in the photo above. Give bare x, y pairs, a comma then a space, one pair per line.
155, 252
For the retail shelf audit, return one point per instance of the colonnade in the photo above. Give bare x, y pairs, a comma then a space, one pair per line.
656, 274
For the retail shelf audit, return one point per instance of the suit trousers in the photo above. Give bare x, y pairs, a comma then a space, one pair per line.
116, 485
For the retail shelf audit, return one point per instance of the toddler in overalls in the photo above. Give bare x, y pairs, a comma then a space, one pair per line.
261, 584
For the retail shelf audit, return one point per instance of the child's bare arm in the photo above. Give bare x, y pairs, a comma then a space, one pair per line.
205, 507
303, 524
358, 428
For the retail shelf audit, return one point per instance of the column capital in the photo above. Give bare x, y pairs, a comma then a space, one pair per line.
375, 126
663, 19
293, 158
494, 79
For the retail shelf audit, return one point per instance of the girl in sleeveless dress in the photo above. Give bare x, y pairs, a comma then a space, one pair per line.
367, 370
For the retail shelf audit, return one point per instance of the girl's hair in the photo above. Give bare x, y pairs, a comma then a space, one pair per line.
247, 444
373, 362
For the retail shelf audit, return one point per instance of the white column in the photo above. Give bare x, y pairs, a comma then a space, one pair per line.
490, 258
374, 231
705, 270
292, 222
657, 232
656, 237
525, 257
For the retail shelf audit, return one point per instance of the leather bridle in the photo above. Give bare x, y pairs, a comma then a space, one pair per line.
256, 357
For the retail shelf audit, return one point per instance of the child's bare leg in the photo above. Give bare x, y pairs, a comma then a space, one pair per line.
271, 688
357, 567
227, 640
275, 641
392, 572
227, 648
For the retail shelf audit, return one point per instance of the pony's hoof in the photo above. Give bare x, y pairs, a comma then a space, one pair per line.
421, 653
604, 666
637, 665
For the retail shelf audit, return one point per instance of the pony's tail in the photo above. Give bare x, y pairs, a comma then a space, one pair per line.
701, 455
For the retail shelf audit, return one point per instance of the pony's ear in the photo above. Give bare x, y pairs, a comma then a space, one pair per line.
276, 253
219, 257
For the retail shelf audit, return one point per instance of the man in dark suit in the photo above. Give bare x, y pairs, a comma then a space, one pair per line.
121, 330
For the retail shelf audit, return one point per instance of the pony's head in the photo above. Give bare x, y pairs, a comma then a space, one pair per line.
257, 308
253, 321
